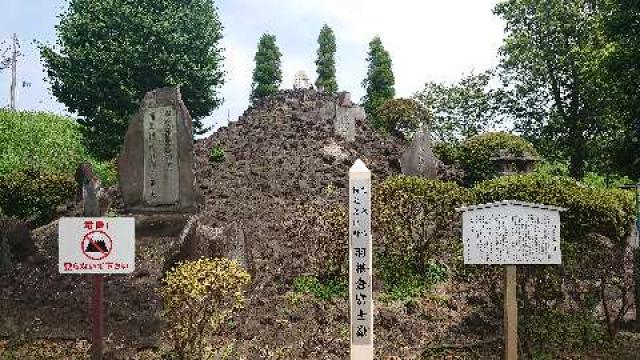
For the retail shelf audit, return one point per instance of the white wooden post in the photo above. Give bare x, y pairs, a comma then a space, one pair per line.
360, 263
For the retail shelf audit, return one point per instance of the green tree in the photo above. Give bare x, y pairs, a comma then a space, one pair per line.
466, 108
267, 74
551, 59
326, 61
109, 53
379, 81
622, 26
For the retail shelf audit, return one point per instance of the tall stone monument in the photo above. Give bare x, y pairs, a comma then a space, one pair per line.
347, 113
155, 168
418, 159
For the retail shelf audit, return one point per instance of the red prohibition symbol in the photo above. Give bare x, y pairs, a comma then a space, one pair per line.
96, 245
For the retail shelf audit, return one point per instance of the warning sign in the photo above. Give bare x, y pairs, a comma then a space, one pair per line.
96, 245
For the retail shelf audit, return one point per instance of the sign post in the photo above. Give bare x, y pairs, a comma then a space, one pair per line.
97, 246
360, 263
511, 233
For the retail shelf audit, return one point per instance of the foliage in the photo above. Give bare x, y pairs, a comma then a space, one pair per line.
267, 75
622, 27
216, 154
416, 226
406, 281
379, 81
42, 141
595, 254
476, 152
106, 171
33, 193
402, 116
322, 290
591, 179
110, 53
544, 331
463, 109
552, 62
199, 296
326, 61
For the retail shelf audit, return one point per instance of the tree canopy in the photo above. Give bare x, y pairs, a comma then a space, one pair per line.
109, 53
267, 75
379, 83
326, 61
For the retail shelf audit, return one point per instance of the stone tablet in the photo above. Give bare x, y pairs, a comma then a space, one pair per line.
418, 159
155, 168
346, 116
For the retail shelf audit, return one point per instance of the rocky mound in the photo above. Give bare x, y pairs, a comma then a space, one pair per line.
281, 153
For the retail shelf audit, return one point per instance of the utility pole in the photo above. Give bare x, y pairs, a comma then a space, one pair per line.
14, 63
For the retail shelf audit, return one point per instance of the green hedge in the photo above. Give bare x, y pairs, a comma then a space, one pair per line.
417, 231
33, 140
474, 154
596, 258
39, 153
29, 193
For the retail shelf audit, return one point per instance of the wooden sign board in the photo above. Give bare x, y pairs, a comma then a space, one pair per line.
511, 232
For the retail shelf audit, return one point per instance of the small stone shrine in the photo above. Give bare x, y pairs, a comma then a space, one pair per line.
155, 168
418, 159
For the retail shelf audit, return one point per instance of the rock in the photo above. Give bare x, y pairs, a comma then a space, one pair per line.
418, 159
346, 115
16, 234
155, 168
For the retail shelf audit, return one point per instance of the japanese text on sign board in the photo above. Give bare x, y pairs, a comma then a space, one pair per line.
361, 276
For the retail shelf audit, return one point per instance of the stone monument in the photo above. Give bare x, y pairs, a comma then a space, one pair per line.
418, 159
155, 168
347, 113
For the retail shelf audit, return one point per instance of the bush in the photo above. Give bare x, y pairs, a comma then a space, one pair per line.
199, 296
33, 193
216, 154
417, 228
33, 140
474, 154
595, 254
401, 117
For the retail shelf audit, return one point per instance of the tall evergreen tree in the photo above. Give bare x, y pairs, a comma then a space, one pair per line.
380, 80
267, 74
110, 53
326, 61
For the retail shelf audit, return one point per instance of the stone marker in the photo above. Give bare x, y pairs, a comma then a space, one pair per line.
418, 159
346, 116
155, 168
360, 264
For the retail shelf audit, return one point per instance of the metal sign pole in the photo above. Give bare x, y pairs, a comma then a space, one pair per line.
510, 314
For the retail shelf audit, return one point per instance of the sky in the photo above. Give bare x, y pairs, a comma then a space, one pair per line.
428, 41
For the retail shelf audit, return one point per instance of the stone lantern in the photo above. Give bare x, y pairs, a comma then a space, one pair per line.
507, 163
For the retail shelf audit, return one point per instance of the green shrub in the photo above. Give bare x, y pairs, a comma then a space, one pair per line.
418, 230
216, 154
45, 142
401, 117
29, 193
199, 296
474, 154
321, 290
595, 254
106, 171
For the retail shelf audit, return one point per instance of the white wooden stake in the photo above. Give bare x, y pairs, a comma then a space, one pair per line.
360, 262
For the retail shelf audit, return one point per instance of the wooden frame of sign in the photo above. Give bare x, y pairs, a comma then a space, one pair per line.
511, 233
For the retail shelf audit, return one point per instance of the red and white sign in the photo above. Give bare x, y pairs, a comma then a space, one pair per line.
96, 245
